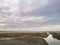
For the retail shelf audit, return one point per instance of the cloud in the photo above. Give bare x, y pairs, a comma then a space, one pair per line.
37, 28
31, 18
2, 24
42, 28
30, 13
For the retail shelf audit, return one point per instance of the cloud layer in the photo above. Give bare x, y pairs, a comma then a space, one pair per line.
34, 14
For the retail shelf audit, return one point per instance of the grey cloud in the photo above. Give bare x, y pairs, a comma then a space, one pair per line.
50, 12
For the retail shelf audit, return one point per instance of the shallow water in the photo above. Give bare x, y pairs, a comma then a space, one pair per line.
51, 41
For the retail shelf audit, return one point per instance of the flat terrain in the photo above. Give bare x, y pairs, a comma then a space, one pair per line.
24, 42
29, 38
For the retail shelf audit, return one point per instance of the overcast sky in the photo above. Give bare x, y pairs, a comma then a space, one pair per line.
29, 15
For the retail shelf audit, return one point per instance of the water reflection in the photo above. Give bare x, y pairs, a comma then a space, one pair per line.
52, 39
